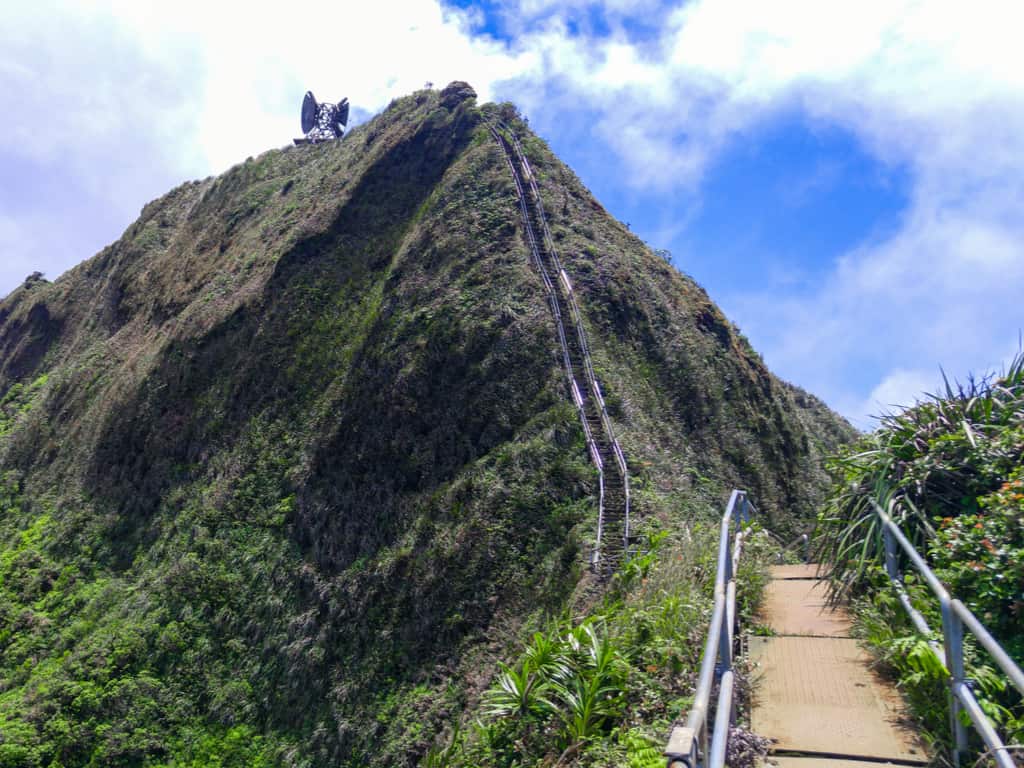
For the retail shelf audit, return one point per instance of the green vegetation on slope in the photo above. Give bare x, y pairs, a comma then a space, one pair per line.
604, 690
290, 467
954, 464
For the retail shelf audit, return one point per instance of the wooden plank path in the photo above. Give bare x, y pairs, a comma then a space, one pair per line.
815, 695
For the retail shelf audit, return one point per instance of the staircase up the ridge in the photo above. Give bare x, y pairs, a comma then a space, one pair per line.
613, 536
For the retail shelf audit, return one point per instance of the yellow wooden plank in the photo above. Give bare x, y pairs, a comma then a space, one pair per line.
793, 761
797, 607
800, 571
816, 694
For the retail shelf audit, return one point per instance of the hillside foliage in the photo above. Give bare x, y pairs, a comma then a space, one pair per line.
290, 469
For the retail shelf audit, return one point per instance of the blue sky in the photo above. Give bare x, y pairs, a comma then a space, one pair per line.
845, 179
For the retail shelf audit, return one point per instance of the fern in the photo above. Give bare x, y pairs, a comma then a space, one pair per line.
641, 750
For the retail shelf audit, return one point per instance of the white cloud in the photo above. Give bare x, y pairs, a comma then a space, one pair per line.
225, 78
133, 94
899, 389
13, 267
934, 87
258, 59
942, 292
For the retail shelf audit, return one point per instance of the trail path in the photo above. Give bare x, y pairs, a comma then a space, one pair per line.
815, 694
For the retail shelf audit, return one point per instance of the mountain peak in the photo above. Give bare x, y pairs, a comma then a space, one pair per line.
300, 446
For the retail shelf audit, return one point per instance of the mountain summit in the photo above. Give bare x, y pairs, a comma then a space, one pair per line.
288, 467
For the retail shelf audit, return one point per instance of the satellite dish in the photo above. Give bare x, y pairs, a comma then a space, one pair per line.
309, 110
322, 122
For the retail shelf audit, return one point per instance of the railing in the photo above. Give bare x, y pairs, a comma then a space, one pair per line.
955, 616
803, 540
549, 287
577, 319
692, 745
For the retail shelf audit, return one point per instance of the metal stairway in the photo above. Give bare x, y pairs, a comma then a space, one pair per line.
613, 537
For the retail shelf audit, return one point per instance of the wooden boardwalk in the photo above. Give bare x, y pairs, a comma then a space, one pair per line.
815, 695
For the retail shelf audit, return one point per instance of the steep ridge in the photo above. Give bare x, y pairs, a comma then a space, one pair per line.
288, 467
612, 539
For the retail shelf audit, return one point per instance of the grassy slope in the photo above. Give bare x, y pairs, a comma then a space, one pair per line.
289, 465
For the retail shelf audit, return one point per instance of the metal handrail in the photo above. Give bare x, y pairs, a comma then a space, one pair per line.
803, 539
955, 616
549, 286
577, 318
690, 745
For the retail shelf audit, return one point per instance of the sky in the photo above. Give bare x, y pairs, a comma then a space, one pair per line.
846, 179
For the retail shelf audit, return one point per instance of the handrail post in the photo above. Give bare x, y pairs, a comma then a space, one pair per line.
724, 647
694, 744
682, 749
953, 636
715, 758
956, 617
728, 565
891, 564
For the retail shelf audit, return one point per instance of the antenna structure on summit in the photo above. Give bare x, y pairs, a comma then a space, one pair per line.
322, 122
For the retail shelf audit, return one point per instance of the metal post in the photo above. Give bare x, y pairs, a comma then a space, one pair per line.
716, 757
725, 646
725, 570
725, 634
953, 635
682, 748
891, 564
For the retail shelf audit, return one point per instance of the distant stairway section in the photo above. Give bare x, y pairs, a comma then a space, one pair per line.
613, 537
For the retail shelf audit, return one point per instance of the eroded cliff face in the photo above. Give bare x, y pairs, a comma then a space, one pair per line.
287, 467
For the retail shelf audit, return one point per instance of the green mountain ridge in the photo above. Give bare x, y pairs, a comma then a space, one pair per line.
288, 467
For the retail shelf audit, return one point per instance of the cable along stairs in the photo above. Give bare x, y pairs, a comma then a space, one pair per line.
613, 536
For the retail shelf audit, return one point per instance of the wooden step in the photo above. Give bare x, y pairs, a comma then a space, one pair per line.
817, 691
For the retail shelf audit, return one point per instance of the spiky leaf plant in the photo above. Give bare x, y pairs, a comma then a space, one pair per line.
951, 472
936, 460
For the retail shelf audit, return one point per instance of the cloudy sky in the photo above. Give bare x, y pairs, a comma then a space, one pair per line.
845, 178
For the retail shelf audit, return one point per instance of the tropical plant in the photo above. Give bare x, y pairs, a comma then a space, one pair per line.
584, 704
546, 654
939, 459
949, 470
517, 691
593, 694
